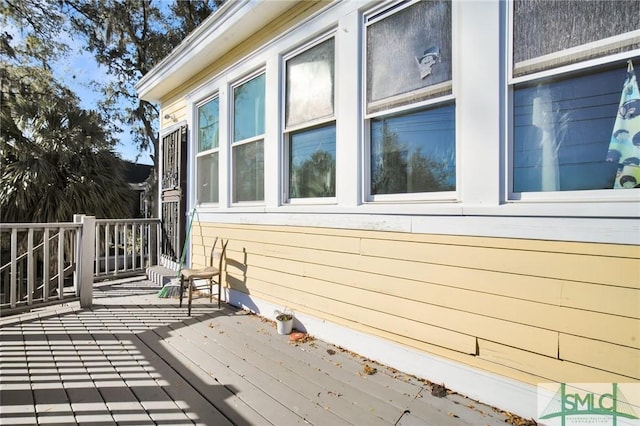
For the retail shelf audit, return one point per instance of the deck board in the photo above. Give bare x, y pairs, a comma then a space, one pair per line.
277, 368
299, 369
246, 382
136, 359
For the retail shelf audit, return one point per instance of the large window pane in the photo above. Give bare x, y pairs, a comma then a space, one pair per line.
414, 152
208, 125
542, 27
312, 163
248, 109
408, 51
207, 167
563, 130
248, 172
310, 80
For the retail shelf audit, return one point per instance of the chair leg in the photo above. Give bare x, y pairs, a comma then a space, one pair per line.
219, 289
181, 289
190, 296
210, 290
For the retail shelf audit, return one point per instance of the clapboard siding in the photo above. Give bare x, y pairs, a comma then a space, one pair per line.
513, 309
418, 313
560, 265
620, 360
177, 109
548, 368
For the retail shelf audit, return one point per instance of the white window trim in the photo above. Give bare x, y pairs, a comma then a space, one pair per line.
254, 139
482, 166
317, 122
372, 16
589, 196
207, 152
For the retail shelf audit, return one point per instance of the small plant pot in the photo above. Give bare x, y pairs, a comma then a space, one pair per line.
284, 324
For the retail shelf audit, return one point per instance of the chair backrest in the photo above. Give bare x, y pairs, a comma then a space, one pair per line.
212, 253
218, 254
223, 255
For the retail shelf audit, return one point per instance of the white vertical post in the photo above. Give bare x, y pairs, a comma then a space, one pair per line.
106, 248
134, 226
60, 262
13, 286
30, 267
85, 256
116, 238
45, 264
97, 251
75, 255
143, 242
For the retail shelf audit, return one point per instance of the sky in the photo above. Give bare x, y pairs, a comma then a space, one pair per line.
77, 71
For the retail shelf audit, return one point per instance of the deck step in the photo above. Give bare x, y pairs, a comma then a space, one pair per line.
161, 275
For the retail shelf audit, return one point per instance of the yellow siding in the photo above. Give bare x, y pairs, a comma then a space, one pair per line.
550, 369
620, 360
529, 310
178, 109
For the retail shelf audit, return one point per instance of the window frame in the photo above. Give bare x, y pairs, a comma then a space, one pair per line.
288, 131
232, 143
370, 17
592, 195
199, 154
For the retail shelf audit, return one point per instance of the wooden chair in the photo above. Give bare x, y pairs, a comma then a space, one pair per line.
212, 273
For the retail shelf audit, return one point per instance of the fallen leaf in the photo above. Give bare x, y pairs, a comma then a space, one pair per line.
369, 370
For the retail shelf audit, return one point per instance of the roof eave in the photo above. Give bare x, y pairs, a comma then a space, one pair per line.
224, 29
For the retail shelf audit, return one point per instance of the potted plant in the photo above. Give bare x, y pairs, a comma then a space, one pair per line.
284, 322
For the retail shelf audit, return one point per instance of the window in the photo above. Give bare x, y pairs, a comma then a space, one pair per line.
569, 130
411, 116
310, 129
248, 142
208, 152
563, 131
312, 163
591, 29
413, 152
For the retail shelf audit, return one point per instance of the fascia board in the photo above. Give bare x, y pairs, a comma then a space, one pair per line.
229, 26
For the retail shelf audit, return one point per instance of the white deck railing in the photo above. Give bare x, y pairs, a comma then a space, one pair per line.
44, 263
125, 246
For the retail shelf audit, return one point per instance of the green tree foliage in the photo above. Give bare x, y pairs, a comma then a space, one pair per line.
55, 157
128, 37
315, 177
397, 169
40, 24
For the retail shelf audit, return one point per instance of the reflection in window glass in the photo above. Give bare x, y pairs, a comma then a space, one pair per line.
248, 172
562, 132
310, 84
207, 167
312, 163
208, 125
248, 109
414, 152
408, 51
544, 27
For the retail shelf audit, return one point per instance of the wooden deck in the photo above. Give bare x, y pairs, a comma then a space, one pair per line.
136, 359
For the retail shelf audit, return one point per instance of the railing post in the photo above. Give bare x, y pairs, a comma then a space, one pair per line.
85, 257
153, 243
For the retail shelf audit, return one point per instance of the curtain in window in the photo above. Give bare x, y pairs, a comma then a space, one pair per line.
624, 148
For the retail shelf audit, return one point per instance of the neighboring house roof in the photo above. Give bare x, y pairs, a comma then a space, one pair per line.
232, 23
136, 173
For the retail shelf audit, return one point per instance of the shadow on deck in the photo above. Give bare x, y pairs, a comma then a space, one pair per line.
136, 359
